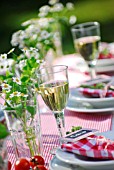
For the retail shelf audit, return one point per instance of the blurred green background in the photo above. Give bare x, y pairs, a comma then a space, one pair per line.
13, 13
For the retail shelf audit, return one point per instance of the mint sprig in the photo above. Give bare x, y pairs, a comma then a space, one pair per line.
73, 129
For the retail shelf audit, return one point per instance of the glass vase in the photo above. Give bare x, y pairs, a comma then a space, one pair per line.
3, 155
25, 129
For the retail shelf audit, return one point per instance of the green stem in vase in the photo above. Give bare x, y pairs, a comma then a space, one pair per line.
28, 130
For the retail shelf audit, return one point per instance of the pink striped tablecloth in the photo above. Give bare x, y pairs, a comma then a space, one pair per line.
50, 136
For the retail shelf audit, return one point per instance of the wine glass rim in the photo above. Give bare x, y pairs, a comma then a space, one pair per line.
64, 67
85, 25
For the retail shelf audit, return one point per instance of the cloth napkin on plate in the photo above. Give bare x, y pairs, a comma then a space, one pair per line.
95, 92
92, 146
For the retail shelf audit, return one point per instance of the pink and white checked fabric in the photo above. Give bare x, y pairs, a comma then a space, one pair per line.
92, 146
95, 92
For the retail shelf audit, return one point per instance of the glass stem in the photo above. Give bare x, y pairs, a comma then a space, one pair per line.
92, 72
59, 116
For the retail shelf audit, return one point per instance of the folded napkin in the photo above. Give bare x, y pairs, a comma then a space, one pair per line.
92, 146
95, 92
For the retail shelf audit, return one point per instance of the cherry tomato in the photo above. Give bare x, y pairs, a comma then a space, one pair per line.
32, 165
37, 160
39, 167
22, 164
9, 165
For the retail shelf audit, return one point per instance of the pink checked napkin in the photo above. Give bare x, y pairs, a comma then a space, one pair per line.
92, 146
95, 92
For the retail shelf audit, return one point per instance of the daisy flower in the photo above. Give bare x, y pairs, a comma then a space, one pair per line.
3, 57
24, 95
17, 80
6, 86
15, 94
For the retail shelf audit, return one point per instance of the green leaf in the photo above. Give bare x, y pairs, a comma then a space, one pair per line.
2, 77
3, 131
31, 110
24, 78
8, 108
18, 110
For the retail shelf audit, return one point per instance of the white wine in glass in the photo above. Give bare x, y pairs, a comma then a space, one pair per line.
86, 41
54, 89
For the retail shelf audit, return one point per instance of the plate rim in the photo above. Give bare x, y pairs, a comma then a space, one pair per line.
89, 99
104, 110
80, 162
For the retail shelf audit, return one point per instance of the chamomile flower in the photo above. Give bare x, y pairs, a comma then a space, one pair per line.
44, 35
17, 80
57, 7
15, 94
52, 2
5, 87
24, 95
3, 57
70, 5
72, 19
45, 9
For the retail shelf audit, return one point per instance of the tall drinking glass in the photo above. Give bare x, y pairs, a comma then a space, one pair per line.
54, 89
86, 38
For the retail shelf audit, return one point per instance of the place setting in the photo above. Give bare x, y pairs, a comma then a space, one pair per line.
85, 149
93, 96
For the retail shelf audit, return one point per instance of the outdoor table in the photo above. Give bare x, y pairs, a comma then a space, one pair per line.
50, 136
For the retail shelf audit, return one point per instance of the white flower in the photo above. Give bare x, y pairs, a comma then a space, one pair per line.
44, 35
42, 14
6, 86
44, 22
22, 63
52, 2
57, 7
70, 5
45, 9
26, 23
72, 19
24, 95
17, 80
15, 38
33, 49
4, 65
3, 57
15, 94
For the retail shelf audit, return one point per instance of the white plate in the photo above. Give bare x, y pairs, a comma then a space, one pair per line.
88, 110
105, 68
56, 164
105, 62
86, 162
78, 100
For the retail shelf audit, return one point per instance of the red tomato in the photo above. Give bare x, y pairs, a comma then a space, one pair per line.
9, 165
39, 167
22, 164
32, 165
37, 160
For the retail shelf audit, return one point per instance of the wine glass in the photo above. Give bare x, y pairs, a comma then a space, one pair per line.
54, 89
86, 38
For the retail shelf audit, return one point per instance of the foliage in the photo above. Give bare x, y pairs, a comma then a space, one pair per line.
3, 131
42, 32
